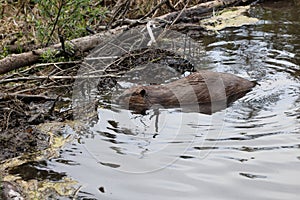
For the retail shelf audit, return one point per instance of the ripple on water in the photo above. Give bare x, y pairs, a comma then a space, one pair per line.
248, 151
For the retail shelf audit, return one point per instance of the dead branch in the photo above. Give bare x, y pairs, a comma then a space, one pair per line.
43, 87
167, 2
31, 78
8, 96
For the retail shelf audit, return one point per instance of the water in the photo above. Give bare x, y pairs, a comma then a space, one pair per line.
251, 150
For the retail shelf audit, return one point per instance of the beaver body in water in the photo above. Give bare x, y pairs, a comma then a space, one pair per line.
203, 91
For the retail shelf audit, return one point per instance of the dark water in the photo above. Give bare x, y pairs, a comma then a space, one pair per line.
251, 150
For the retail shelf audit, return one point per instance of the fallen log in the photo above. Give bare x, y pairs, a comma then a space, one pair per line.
16, 61
199, 9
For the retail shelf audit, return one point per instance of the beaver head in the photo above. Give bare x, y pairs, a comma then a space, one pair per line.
134, 99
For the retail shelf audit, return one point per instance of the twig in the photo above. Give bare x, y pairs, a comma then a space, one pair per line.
7, 96
47, 86
30, 78
179, 2
169, 4
130, 22
58, 63
7, 120
154, 9
174, 21
180, 13
56, 21
119, 11
76, 192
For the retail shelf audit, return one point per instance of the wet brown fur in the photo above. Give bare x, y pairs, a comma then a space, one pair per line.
199, 88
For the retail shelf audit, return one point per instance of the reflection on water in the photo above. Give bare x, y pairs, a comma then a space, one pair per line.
251, 150
36, 170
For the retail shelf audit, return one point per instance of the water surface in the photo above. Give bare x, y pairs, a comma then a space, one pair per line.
251, 150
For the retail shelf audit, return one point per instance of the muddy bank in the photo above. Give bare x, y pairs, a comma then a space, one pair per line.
18, 120
15, 142
18, 135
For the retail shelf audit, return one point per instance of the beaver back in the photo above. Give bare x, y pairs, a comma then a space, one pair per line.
199, 88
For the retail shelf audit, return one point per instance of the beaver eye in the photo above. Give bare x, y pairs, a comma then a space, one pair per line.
143, 92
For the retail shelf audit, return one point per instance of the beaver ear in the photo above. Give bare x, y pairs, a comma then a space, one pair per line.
143, 92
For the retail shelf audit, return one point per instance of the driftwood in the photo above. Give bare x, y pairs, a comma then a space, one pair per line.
16, 61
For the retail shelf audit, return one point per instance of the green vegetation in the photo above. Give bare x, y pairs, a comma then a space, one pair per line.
32, 24
42, 23
65, 18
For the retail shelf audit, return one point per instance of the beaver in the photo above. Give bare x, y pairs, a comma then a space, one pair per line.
203, 91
